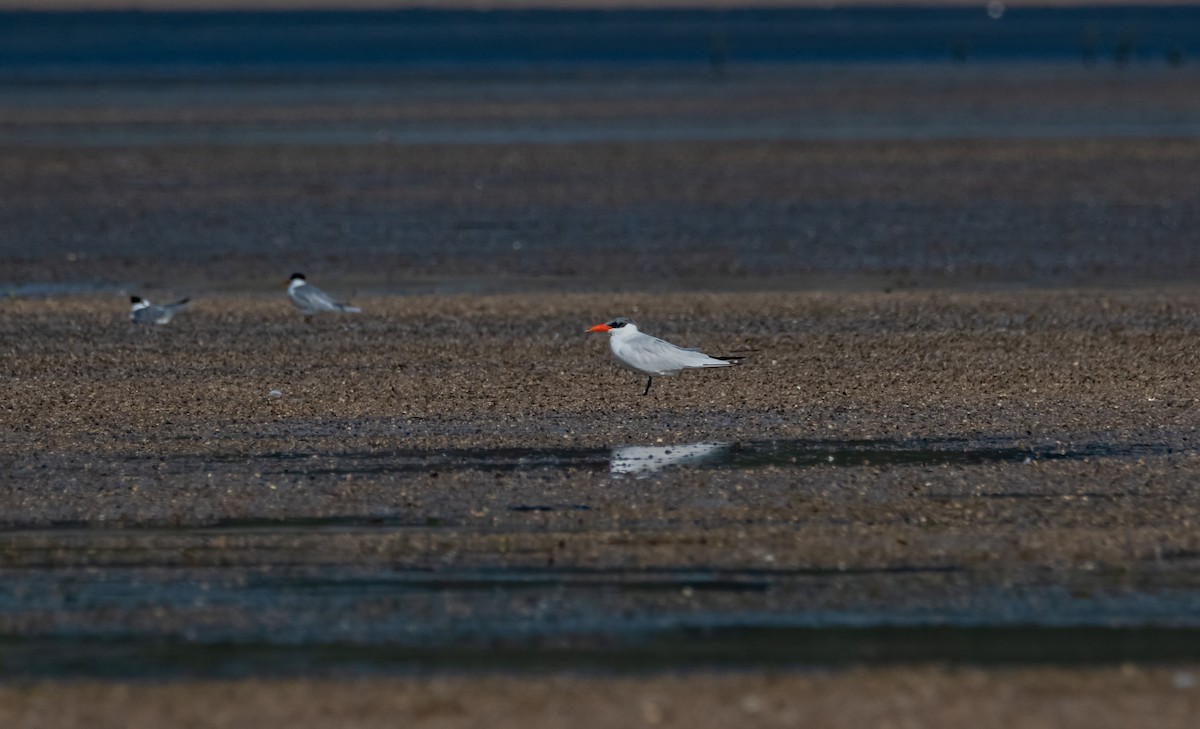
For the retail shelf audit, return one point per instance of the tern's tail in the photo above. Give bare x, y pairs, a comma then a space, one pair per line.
737, 357
348, 309
700, 359
181, 302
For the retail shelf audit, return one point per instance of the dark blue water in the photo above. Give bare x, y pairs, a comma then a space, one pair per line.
116, 43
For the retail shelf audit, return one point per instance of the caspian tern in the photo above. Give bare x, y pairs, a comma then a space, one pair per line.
650, 355
141, 311
312, 300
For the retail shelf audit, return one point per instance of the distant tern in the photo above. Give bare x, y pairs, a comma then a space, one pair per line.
141, 311
312, 300
650, 355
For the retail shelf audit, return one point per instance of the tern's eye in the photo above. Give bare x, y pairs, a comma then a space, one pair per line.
616, 324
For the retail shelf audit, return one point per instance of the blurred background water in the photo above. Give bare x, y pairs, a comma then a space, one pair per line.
229, 43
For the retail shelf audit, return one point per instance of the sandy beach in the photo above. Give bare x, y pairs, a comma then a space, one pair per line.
952, 478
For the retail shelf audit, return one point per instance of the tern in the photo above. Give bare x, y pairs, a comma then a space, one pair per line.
141, 311
650, 355
312, 300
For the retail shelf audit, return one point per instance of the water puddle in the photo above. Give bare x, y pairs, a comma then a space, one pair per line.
641, 461
646, 460
671, 649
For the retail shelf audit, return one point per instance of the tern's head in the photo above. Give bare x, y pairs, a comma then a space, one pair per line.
296, 277
137, 302
135, 299
620, 324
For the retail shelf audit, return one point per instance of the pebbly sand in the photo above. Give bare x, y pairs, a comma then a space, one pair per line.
139, 440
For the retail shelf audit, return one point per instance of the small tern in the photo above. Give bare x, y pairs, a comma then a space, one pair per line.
141, 311
650, 355
312, 300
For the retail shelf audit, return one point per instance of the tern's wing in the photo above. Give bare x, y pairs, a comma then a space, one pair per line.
143, 315
166, 312
153, 314
311, 298
163, 313
651, 354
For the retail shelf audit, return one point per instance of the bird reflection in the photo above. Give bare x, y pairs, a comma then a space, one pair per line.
642, 461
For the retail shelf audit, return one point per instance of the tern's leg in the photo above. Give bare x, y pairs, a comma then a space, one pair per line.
647, 390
